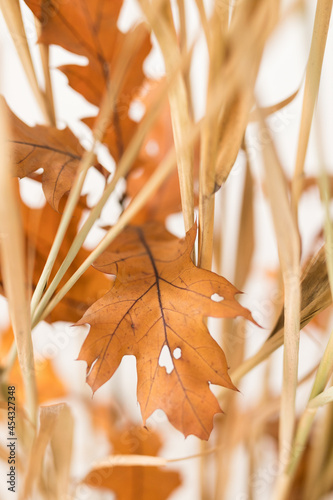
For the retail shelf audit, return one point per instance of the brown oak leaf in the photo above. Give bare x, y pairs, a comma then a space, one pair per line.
155, 483
159, 298
57, 152
90, 29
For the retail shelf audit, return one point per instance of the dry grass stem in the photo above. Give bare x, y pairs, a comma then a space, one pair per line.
289, 256
164, 30
312, 80
48, 91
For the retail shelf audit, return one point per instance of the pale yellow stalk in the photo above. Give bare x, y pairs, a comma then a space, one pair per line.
11, 11
289, 256
163, 28
312, 80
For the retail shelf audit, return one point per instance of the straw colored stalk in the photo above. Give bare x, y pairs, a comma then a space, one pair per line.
208, 156
312, 80
233, 338
209, 148
12, 13
321, 444
325, 370
48, 92
183, 42
14, 271
142, 460
289, 256
163, 28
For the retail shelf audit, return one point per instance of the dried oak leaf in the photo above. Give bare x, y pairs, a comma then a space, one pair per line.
57, 152
90, 29
159, 298
121, 127
154, 483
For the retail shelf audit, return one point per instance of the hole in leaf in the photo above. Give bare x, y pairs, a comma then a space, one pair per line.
216, 297
165, 359
89, 370
177, 353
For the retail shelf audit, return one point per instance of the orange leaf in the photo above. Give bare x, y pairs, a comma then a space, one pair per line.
155, 483
159, 299
90, 29
58, 152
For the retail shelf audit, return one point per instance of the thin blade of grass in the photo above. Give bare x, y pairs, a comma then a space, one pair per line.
312, 80
48, 92
289, 255
322, 399
209, 147
266, 111
245, 245
165, 33
325, 369
144, 460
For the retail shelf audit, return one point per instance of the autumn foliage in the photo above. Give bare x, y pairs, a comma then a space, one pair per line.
142, 291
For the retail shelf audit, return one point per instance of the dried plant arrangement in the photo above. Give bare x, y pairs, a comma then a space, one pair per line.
166, 244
